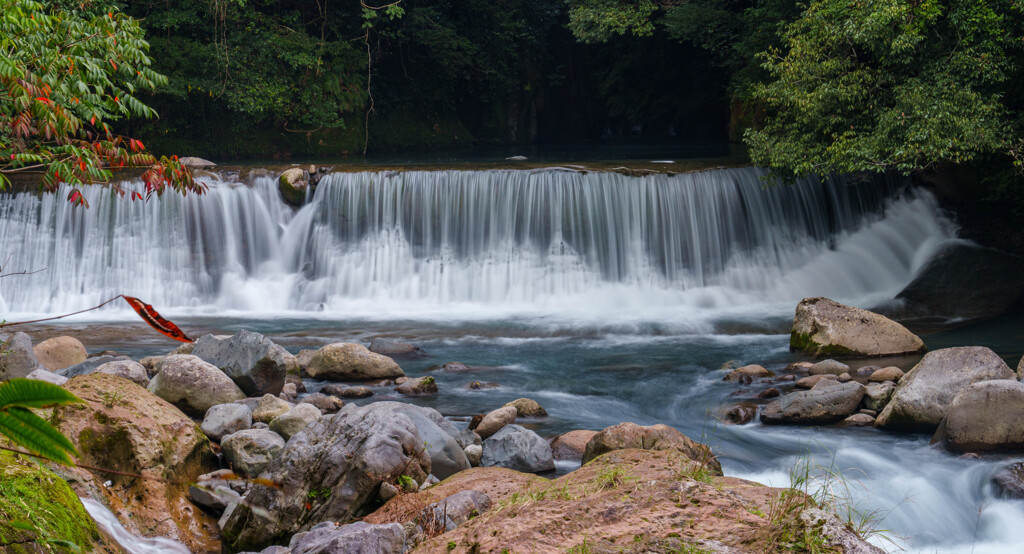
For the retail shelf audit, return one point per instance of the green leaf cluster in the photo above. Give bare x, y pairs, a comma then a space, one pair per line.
881, 85
18, 397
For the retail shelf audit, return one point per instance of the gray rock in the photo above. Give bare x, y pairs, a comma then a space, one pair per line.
354, 538
810, 382
193, 385
344, 361
303, 358
858, 420
924, 394
295, 420
517, 448
270, 407
421, 386
495, 420
430, 481
251, 451
985, 416
387, 491
1009, 481
326, 404
965, 281
816, 406
289, 392
343, 391
836, 534
526, 407
224, 419
128, 369
877, 395
396, 348
252, 361
89, 365
215, 498
825, 383
473, 453
823, 327
452, 511
336, 466
828, 367
446, 455
41, 374
276, 549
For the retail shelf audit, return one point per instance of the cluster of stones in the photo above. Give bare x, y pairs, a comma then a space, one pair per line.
967, 398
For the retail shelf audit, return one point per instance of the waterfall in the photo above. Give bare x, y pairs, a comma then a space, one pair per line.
541, 241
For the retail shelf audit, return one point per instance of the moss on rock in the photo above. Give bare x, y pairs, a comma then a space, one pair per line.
39, 511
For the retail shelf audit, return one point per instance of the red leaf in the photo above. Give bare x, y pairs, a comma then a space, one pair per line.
150, 316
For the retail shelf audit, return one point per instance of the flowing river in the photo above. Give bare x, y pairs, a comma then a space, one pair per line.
606, 298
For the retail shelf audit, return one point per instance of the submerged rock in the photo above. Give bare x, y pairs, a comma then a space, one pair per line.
329, 471
824, 327
1009, 481
395, 348
924, 394
252, 361
747, 374
345, 361
985, 416
60, 352
526, 407
820, 405
738, 414
421, 386
965, 281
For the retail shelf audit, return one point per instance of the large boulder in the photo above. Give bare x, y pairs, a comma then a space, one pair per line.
330, 471
824, 327
193, 385
396, 348
18, 359
985, 416
90, 365
517, 448
251, 451
818, 406
655, 437
346, 361
225, 419
439, 438
965, 281
639, 501
60, 352
124, 428
252, 361
129, 369
355, 538
924, 394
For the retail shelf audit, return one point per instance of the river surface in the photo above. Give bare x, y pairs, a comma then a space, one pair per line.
603, 297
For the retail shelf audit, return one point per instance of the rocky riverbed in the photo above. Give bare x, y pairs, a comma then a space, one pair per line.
235, 443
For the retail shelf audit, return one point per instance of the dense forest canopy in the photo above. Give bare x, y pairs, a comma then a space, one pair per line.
876, 85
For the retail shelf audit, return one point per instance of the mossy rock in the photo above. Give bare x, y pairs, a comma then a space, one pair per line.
39, 512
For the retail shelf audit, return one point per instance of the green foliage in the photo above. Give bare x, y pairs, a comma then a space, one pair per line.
889, 85
65, 73
18, 423
598, 20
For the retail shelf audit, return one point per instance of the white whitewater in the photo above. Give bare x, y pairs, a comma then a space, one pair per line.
131, 542
477, 244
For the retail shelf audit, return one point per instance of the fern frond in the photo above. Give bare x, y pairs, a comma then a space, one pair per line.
29, 393
36, 434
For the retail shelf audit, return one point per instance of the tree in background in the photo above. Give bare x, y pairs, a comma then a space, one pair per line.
65, 73
884, 85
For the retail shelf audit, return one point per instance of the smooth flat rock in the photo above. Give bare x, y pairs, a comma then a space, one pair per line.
824, 327
816, 406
